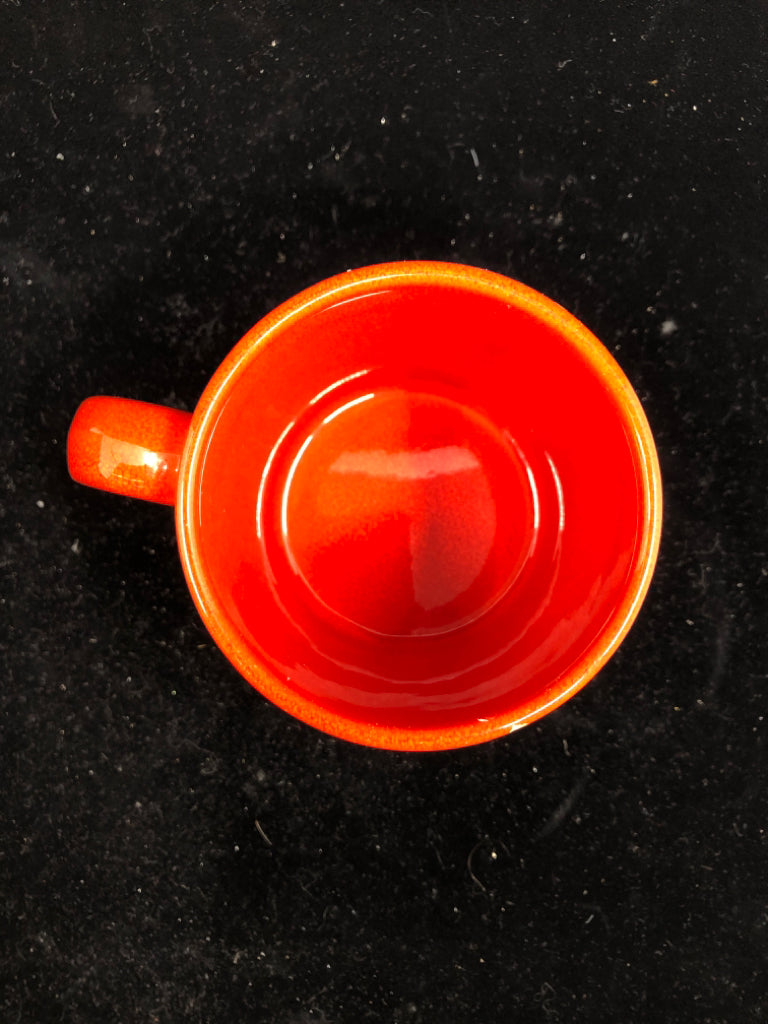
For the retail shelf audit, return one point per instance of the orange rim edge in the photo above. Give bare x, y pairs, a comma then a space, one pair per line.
610, 637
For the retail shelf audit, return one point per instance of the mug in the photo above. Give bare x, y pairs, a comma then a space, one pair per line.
418, 505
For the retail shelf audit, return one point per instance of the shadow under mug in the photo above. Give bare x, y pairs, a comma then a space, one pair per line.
418, 505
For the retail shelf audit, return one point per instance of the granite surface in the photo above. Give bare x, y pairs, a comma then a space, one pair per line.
172, 847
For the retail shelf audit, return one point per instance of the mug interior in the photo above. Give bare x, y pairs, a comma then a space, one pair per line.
528, 379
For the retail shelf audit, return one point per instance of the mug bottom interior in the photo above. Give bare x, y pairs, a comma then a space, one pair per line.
419, 509
403, 512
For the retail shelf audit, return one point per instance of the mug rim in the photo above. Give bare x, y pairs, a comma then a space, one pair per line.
479, 281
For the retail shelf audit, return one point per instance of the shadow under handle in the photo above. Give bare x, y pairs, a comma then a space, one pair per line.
128, 447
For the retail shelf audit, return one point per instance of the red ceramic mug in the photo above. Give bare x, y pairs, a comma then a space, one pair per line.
418, 505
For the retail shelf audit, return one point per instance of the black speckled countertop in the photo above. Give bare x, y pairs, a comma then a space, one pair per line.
173, 848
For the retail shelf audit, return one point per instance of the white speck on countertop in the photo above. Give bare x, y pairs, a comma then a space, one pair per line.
668, 327
40, 503
59, 156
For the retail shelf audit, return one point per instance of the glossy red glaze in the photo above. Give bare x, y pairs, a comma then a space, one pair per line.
127, 447
419, 506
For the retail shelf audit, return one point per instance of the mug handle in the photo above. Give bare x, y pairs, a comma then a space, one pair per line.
128, 447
